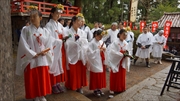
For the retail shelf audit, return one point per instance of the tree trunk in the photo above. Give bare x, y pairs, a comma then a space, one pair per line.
6, 56
78, 3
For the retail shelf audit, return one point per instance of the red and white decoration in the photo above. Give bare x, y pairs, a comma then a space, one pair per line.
154, 26
142, 25
167, 28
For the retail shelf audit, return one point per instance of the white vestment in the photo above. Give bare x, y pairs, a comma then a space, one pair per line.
95, 29
158, 48
152, 38
87, 30
143, 39
130, 41
76, 49
32, 41
112, 34
55, 28
94, 57
114, 55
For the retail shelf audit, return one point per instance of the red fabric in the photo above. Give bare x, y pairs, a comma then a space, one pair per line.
37, 82
98, 80
118, 80
76, 76
60, 36
54, 79
63, 77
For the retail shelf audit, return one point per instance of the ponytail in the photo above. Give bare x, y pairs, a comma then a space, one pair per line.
52, 11
74, 18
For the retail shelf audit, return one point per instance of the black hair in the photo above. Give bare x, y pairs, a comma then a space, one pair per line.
74, 18
60, 19
97, 33
54, 9
120, 32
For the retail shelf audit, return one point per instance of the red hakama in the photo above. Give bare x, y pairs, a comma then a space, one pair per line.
118, 80
76, 76
63, 77
98, 80
37, 81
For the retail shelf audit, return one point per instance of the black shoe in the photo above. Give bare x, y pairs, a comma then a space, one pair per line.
135, 61
100, 92
147, 65
96, 93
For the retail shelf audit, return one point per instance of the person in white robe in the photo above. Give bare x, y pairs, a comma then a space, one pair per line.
143, 42
96, 27
158, 44
56, 29
111, 34
118, 60
130, 39
87, 30
76, 47
35, 57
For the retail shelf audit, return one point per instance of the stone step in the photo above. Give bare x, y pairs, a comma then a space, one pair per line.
67, 96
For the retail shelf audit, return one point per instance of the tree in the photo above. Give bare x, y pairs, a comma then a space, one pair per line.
6, 60
158, 12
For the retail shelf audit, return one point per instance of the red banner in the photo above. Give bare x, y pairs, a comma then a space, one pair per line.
130, 25
142, 25
167, 28
125, 24
154, 26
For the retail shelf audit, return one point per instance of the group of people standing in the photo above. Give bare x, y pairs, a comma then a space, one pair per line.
55, 55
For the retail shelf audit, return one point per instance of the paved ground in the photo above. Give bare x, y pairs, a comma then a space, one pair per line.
149, 89
137, 74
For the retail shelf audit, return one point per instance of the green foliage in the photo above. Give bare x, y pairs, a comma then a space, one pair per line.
158, 12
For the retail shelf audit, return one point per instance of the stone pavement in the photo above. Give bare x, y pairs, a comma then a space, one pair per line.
149, 89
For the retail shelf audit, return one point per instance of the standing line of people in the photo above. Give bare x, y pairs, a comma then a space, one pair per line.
57, 56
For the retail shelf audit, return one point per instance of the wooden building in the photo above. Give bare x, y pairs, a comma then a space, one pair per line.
19, 15
174, 36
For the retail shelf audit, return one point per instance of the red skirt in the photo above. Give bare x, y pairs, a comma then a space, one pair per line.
98, 80
63, 77
54, 79
37, 81
118, 80
76, 76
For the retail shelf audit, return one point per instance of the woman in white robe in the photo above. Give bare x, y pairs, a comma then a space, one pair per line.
118, 60
95, 55
76, 47
33, 60
56, 30
158, 44
143, 42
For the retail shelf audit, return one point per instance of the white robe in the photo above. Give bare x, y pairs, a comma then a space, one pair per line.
114, 56
94, 57
95, 29
158, 48
152, 38
76, 50
112, 34
143, 39
29, 47
55, 28
88, 32
130, 41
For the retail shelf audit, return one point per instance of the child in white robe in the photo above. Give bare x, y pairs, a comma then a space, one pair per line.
35, 57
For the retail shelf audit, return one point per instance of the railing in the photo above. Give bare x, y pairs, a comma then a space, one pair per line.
22, 6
